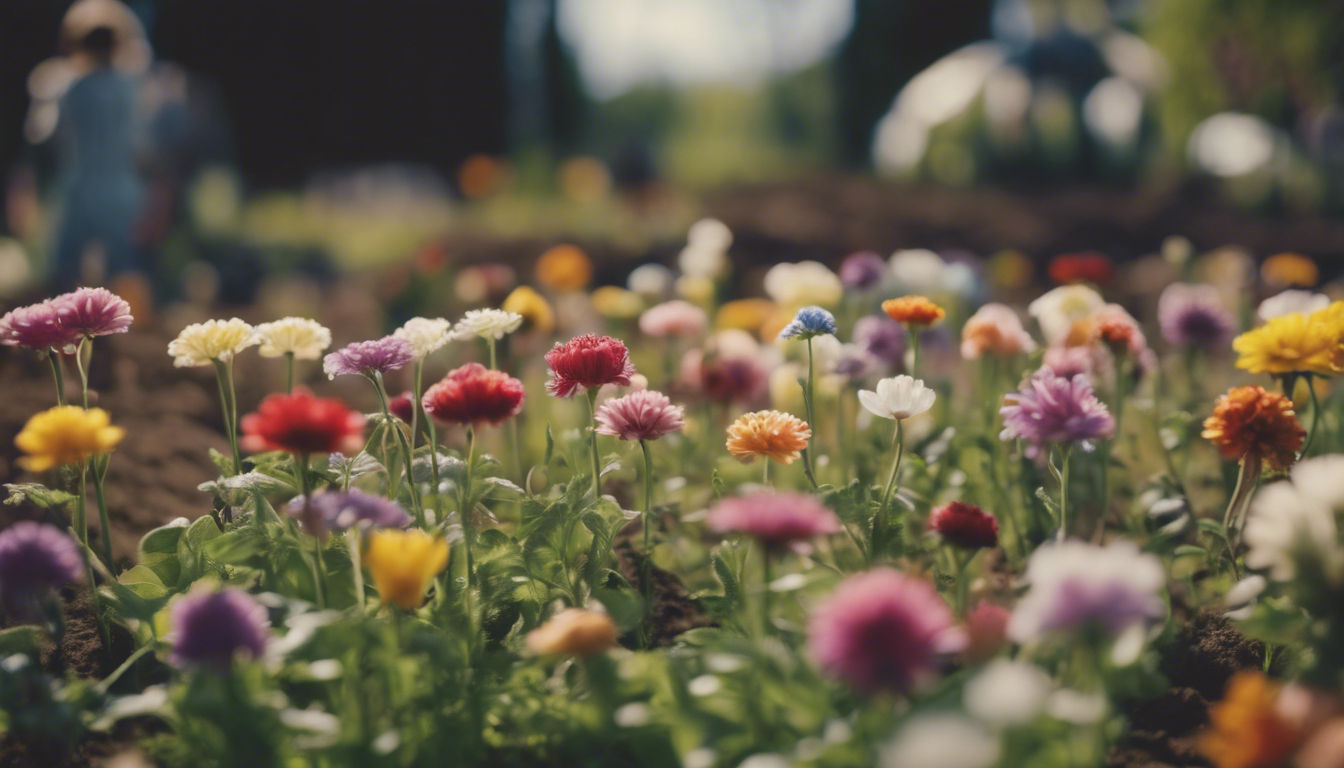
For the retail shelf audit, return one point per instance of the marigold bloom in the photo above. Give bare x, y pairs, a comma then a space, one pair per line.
1256, 423
473, 394
369, 357
37, 326
425, 334
574, 632
204, 343
211, 629
913, 311
1286, 270
588, 361
994, 329
777, 520
673, 318
536, 311
1084, 267
1294, 343
66, 434
1246, 730
564, 268
642, 415
303, 424
91, 312
772, 434
298, 336
35, 558
402, 564
965, 525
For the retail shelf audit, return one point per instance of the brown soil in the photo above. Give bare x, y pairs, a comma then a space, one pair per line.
674, 611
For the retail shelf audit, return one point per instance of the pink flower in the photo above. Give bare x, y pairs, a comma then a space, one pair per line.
38, 326
588, 361
882, 631
965, 525
725, 378
1068, 362
93, 312
986, 631
997, 330
673, 318
641, 415
777, 520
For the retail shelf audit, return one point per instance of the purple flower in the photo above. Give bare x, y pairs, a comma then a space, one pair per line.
1051, 409
883, 337
1194, 315
1075, 586
210, 629
340, 510
862, 270
854, 362
34, 559
369, 357
37, 326
93, 312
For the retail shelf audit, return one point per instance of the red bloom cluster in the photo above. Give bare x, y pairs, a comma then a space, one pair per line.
402, 406
303, 424
586, 362
1084, 267
965, 525
473, 394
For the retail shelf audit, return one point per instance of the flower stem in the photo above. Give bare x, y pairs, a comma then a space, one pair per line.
647, 561
1064, 492
597, 470
224, 375
353, 543
809, 391
57, 373
319, 568
289, 373
419, 511
82, 366
765, 591
912, 333
104, 524
877, 541
1315, 415
494, 360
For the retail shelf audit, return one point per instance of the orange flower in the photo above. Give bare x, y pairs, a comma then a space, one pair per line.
1285, 270
564, 268
913, 310
1246, 731
772, 434
1254, 423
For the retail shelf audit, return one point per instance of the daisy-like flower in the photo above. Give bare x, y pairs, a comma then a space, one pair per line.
802, 284
339, 510
298, 336
1254, 423
213, 340
1246, 728
1293, 526
862, 270
35, 558
994, 329
213, 628
64, 435
426, 335
777, 520
913, 311
91, 312
402, 564
1052, 410
898, 398
473, 394
642, 415
1193, 315
808, 323
942, 740
564, 268
586, 362
37, 327
673, 319
1058, 310
303, 424
1074, 586
882, 631
1290, 301
1294, 344
965, 525
574, 632
772, 434
538, 315
369, 357
488, 324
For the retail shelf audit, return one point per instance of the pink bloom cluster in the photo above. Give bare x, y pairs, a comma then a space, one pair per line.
61, 322
641, 415
777, 520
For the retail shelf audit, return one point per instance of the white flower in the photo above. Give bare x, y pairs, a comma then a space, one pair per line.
941, 741
305, 339
651, 280
1294, 524
920, 271
710, 233
425, 334
699, 261
804, 283
898, 397
487, 324
1075, 585
203, 343
1241, 598
1290, 301
1008, 692
1056, 311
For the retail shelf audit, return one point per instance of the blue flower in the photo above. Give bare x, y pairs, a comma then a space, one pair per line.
809, 322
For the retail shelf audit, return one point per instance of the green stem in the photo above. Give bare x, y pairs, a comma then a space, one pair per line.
319, 567
465, 503
352, 542
765, 591
377, 378
57, 373
959, 604
289, 372
765, 473
592, 416
647, 562
224, 376
494, 361
82, 366
81, 519
912, 333
1064, 492
809, 391
104, 524
1315, 416
877, 542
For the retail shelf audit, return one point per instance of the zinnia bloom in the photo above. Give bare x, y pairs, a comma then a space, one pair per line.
994, 329
490, 324
402, 564
1084, 267
673, 318
777, 520
1252, 422
1246, 729
338, 510
473, 394
913, 311
1052, 410
425, 334
1295, 343
564, 268
642, 415
536, 311
1075, 586
303, 424
37, 327
369, 357
862, 270
66, 434
586, 362
882, 631
898, 397
809, 322
91, 312
211, 629
772, 434
35, 558
1194, 316
204, 343
965, 525
574, 632
1286, 270
298, 336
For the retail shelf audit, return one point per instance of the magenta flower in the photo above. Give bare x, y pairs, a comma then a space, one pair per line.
640, 415
882, 631
1194, 315
1052, 410
588, 362
37, 326
369, 357
338, 510
777, 520
211, 629
34, 559
91, 312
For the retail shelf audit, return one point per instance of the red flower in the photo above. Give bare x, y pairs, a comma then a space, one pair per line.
301, 423
402, 406
1084, 267
965, 525
586, 362
472, 394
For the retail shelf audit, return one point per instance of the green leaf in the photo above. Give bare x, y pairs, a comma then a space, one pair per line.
38, 494
731, 591
1189, 549
550, 446
242, 546
163, 540
625, 608
22, 639
223, 463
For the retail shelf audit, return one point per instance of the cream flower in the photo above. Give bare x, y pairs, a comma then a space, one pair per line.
898, 397
203, 343
1058, 310
486, 324
305, 339
917, 270
942, 741
425, 334
1295, 523
804, 283
1291, 301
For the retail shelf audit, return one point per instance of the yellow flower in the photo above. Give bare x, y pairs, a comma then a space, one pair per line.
536, 311
402, 564
203, 343
1285, 270
1246, 730
66, 434
772, 434
305, 339
744, 314
574, 632
1295, 343
564, 268
617, 303
695, 289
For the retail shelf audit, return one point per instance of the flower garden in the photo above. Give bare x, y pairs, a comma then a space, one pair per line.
908, 513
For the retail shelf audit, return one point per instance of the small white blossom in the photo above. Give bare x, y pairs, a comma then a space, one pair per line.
804, 283
898, 397
305, 339
1295, 523
1008, 692
425, 334
487, 324
918, 270
941, 741
1290, 301
203, 343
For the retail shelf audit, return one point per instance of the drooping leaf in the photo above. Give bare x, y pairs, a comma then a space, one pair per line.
38, 494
